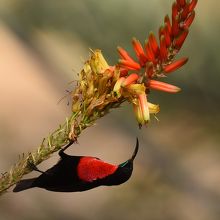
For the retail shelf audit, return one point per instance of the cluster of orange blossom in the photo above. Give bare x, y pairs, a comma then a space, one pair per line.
154, 60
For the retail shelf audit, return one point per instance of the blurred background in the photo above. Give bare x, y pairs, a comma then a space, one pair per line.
176, 175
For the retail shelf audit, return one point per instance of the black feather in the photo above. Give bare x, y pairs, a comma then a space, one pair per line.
24, 184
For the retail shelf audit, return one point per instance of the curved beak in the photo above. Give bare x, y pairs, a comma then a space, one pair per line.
130, 161
135, 150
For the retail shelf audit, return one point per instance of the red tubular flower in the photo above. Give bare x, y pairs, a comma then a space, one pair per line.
124, 55
192, 5
178, 42
157, 85
167, 22
132, 78
174, 10
181, 3
139, 51
153, 43
175, 65
131, 65
161, 31
163, 49
123, 71
185, 12
167, 36
175, 26
149, 52
150, 70
189, 20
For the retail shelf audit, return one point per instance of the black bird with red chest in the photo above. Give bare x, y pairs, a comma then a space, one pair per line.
80, 173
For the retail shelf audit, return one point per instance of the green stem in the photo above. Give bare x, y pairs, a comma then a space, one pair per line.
49, 145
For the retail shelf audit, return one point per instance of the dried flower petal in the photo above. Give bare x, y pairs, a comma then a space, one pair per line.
138, 113
136, 89
117, 86
98, 63
153, 109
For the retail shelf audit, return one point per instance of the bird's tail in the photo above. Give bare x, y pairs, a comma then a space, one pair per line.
24, 184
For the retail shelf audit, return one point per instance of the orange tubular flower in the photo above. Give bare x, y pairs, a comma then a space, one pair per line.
175, 65
132, 78
130, 65
139, 51
124, 55
157, 85
154, 60
189, 20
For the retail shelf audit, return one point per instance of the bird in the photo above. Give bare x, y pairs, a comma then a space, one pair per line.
79, 173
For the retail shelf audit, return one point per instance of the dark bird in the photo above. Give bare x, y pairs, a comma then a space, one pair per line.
79, 173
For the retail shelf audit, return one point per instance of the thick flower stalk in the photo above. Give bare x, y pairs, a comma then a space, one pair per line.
102, 87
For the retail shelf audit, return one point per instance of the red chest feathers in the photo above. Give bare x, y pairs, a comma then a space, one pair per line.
90, 169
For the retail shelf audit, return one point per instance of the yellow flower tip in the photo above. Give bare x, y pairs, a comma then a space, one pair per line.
179, 89
98, 62
153, 109
136, 89
141, 110
117, 87
138, 114
101, 58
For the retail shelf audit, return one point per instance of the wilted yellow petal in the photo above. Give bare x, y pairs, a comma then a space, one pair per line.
117, 87
138, 113
153, 109
136, 89
98, 62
